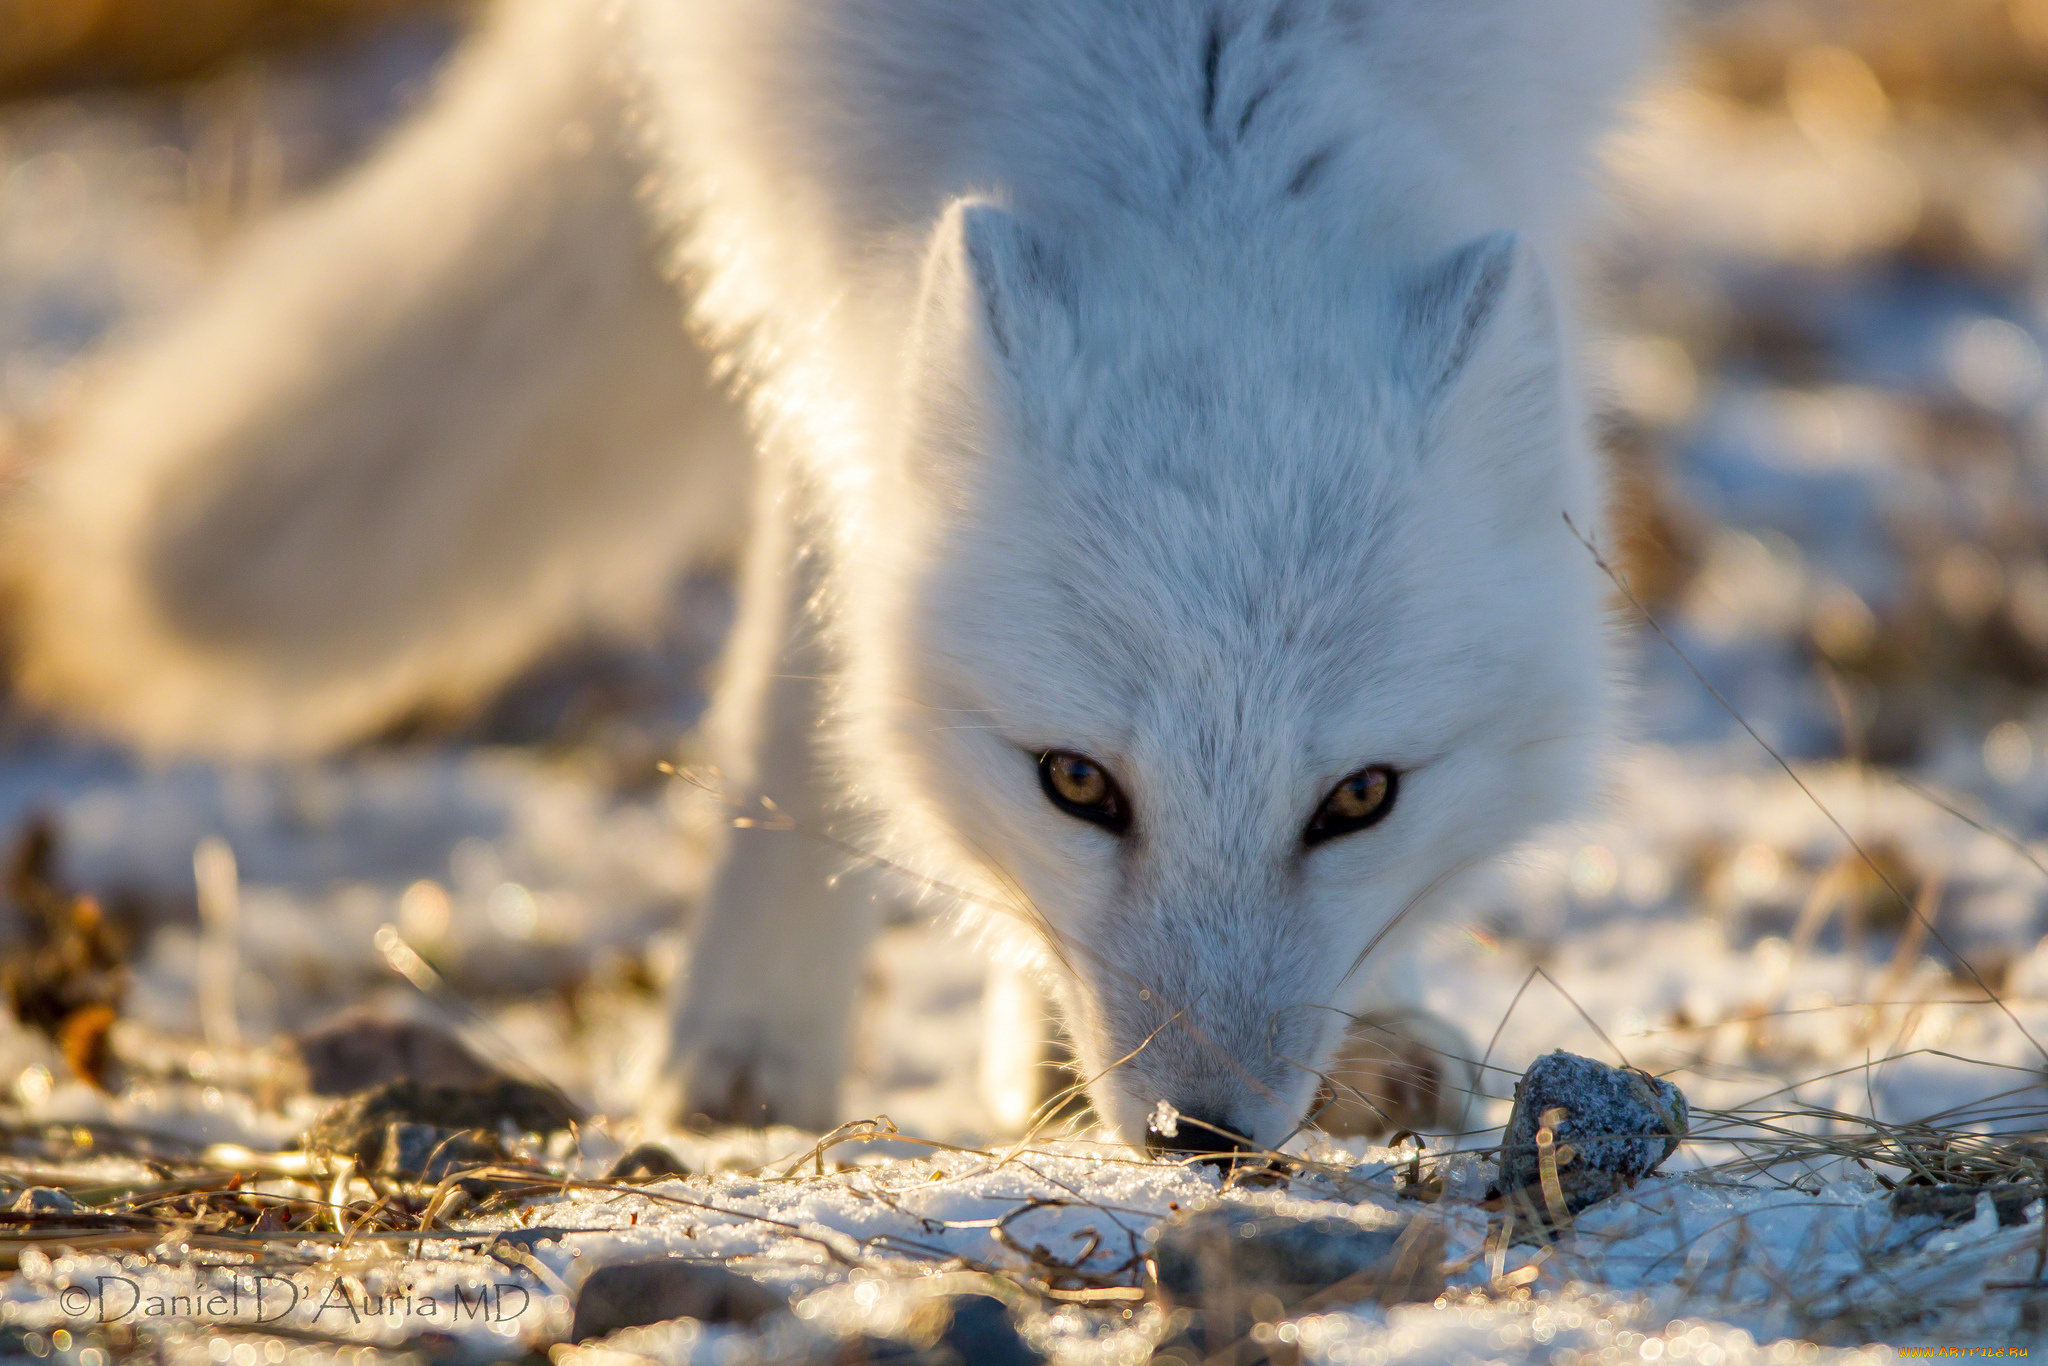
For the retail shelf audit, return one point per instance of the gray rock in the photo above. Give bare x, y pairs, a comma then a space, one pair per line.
648, 1162
1223, 1271
365, 1047
1398, 1070
1956, 1203
1244, 1251
629, 1294
1619, 1124
426, 1152
982, 1333
425, 1132
953, 1330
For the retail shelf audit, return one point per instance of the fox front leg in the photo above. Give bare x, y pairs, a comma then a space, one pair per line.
761, 1013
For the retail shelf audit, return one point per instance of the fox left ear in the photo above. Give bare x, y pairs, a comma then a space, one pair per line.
994, 304
1446, 309
989, 266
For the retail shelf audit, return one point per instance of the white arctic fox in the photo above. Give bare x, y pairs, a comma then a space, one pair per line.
1162, 427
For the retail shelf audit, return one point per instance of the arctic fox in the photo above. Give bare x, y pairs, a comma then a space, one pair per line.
1161, 423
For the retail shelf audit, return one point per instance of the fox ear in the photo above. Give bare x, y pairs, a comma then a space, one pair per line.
992, 305
1446, 309
1019, 289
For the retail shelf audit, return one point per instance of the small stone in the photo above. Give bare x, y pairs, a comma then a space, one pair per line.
981, 1332
630, 1294
1398, 1070
1619, 1124
648, 1162
424, 1132
951, 1330
425, 1152
1243, 1251
44, 1200
1958, 1203
1223, 1271
366, 1047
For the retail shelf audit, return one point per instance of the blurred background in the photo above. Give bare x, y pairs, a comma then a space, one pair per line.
1820, 286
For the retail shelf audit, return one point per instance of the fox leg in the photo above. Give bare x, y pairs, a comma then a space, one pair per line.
761, 1013
1026, 1074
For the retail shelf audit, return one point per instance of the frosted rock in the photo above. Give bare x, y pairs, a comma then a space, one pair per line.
1618, 1125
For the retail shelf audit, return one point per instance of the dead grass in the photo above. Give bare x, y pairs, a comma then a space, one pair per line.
47, 43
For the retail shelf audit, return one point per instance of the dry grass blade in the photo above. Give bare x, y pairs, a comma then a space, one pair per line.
1547, 1161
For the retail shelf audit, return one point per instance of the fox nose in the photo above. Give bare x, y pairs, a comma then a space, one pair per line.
1197, 1135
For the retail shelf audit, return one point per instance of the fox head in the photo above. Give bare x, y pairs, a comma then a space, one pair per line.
1238, 615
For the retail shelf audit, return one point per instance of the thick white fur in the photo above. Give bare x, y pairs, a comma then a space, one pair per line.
422, 425
1183, 382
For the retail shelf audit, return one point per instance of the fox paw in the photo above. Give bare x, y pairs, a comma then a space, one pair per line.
740, 1075
1399, 1070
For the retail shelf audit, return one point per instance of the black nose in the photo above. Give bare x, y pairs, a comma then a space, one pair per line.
1197, 1135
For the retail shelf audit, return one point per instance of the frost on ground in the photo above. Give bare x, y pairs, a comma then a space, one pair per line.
1706, 1269
1824, 388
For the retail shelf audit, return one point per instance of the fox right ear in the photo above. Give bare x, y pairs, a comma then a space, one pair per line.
1446, 310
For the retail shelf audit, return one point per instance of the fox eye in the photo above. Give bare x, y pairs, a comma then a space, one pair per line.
1082, 788
1361, 800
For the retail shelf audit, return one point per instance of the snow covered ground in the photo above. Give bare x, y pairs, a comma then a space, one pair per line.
1825, 278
